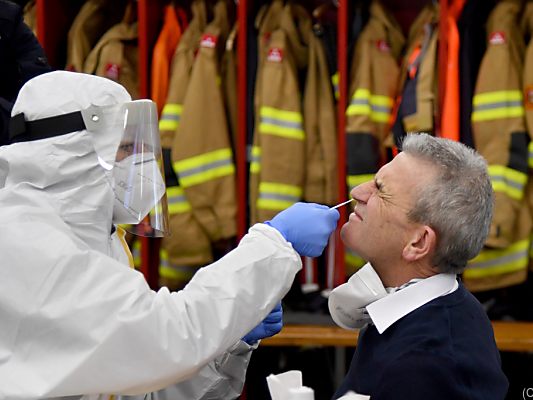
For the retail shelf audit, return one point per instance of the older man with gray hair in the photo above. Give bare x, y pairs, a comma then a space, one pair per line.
417, 223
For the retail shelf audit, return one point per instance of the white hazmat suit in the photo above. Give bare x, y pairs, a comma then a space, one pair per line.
76, 320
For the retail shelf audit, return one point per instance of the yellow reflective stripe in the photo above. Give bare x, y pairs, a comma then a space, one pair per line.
378, 107
177, 202
335, 82
254, 157
358, 109
498, 113
205, 167
380, 100
530, 156
360, 103
203, 159
281, 188
507, 180
136, 253
282, 123
166, 270
495, 97
354, 180
209, 175
277, 196
497, 105
170, 117
497, 262
284, 115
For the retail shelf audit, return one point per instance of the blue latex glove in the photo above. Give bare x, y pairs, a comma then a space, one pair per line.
307, 226
271, 325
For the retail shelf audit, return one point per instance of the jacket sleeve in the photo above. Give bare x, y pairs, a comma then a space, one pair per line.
79, 322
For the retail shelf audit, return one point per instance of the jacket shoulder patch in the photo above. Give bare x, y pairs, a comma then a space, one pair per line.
275, 54
497, 37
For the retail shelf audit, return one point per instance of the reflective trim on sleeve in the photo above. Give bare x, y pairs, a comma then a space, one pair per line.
497, 105
377, 107
170, 117
355, 180
177, 202
254, 158
507, 180
282, 123
205, 167
277, 196
501, 261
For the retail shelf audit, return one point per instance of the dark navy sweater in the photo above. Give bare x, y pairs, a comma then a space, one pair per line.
443, 350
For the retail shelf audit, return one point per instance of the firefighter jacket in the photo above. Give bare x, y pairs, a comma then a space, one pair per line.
201, 151
418, 81
174, 23
319, 112
500, 136
373, 88
266, 21
93, 20
115, 56
278, 166
189, 246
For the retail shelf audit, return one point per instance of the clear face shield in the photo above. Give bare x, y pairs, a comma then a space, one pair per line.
135, 166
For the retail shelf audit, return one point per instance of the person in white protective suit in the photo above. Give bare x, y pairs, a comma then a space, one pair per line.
76, 321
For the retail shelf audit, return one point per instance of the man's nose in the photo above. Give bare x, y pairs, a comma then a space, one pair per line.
362, 192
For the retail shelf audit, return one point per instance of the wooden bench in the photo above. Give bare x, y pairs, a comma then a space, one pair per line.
510, 336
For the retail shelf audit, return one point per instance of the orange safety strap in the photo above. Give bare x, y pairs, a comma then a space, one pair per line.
412, 61
450, 108
162, 55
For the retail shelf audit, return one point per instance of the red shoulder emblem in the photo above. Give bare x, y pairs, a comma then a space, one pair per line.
112, 71
497, 37
209, 41
383, 46
275, 54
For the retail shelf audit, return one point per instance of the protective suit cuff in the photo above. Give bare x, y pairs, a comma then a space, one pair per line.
272, 232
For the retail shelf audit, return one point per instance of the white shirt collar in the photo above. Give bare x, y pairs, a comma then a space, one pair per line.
389, 309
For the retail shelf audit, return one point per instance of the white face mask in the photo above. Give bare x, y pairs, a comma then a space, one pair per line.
347, 302
138, 186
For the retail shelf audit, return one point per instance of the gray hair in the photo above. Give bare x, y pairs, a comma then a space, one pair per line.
458, 204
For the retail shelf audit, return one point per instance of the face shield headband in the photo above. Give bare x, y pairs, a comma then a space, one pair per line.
126, 140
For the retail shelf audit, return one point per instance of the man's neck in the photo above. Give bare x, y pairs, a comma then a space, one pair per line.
399, 274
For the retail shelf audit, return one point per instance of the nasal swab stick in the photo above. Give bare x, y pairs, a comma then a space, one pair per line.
342, 204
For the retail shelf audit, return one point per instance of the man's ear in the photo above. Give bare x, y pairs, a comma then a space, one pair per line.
422, 242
